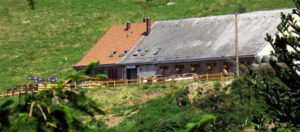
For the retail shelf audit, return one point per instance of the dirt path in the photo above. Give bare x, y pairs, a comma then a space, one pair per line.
137, 97
113, 120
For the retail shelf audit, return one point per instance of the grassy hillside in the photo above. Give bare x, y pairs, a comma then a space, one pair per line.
151, 107
49, 40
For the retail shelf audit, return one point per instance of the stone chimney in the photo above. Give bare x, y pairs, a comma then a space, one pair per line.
148, 26
128, 25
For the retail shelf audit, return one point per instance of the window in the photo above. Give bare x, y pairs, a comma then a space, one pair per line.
143, 68
164, 67
194, 67
112, 54
137, 52
99, 71
248, 62
156, 51
179, 68
123, 54
147, 68
226, 65
112, 74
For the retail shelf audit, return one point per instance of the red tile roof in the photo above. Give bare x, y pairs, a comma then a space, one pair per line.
116, 39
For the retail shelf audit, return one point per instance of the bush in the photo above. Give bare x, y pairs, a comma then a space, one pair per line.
241, 9
155, 86
173, 85
177, 122
202, 125
180, 98
145, 86
217, 86
98, 124
151, 113
163, 86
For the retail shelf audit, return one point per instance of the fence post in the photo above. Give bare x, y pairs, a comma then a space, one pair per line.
126, 82
206, 77
221, 75
20, 92
25, 88
114, 83
140, 81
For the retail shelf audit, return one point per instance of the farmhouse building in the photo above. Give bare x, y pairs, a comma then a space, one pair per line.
194, 45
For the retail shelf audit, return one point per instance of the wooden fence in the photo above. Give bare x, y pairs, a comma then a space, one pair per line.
97, 83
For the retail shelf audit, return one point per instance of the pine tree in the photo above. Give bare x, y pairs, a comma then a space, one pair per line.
31, 4
286, 49
51, 109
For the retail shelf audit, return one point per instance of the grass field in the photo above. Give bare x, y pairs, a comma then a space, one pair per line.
49, 40
130, 104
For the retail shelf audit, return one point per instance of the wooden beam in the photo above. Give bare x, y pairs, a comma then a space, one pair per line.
237, 44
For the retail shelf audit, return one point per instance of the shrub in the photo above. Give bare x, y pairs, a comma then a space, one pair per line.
102, 76
202, 125
155, 86
145, 86
217, 86
180, 98
177, 122
98, 124
151, 113
173, 85
241, 9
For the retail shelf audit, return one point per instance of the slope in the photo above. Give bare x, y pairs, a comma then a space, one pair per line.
49, 40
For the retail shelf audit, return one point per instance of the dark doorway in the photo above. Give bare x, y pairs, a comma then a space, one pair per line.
131, 74
112, 74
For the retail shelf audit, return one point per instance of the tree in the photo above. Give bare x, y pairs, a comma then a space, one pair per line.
286, 49
51, 109
31, 3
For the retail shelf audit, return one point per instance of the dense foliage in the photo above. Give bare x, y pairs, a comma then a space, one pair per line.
283, 96
50, 109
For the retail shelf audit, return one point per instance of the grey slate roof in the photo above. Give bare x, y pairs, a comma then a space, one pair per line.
205, 38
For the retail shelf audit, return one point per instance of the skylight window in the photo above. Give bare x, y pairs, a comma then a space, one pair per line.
156, 51
112, 54
123, 54
137, 52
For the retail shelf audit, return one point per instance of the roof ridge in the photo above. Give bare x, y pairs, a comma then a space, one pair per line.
224, 15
